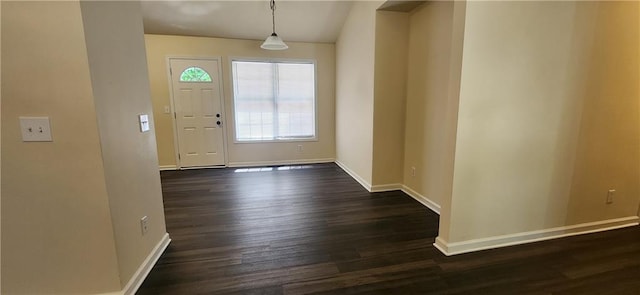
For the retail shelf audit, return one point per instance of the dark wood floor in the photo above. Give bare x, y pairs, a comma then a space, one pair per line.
313, 229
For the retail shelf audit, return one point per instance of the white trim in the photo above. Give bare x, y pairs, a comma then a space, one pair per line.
391, 187
176, 151
433, 206
231, 59
286, 140
143, 271
282, 162
167, 167
202, 167
146, 266
533, 236
422, 199
441, 245
377, 188
354, 175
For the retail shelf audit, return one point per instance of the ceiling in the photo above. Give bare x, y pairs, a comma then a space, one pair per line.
301, 21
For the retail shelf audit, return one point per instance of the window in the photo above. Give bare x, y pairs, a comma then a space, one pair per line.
274, 100
195, 74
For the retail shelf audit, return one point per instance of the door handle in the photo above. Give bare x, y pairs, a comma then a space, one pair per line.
219, 123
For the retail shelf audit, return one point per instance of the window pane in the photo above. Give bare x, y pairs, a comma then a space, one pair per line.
194, 74
274, 100
254, 104
296, 91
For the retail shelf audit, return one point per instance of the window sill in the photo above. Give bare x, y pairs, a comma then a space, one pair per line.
315, 139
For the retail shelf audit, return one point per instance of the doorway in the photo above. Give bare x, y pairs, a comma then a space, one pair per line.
196, 94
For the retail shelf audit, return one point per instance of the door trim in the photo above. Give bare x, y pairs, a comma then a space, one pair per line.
223, 108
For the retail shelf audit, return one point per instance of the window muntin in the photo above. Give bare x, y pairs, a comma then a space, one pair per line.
195, 74
274, 101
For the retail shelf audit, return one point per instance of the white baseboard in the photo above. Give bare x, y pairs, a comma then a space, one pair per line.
354, 175
377, 188
167, 167
533, 236
391, 187
422, 199
433, 206
201, 167
143, 271
370, 188
283, 162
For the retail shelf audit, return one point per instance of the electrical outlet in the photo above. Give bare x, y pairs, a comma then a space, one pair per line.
610, 194
413, 171
35, 129
144, 226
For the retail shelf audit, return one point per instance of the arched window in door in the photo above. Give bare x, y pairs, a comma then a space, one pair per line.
195, 74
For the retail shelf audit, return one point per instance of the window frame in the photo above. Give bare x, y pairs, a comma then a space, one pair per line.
275, 60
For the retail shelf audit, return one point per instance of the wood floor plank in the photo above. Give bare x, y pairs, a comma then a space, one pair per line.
312, 229
358, 278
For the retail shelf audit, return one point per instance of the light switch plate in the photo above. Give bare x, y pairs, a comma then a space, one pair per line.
144, 123
35, 129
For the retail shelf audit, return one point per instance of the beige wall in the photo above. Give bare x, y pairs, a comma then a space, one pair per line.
390, 74
428, 125
539, 144
0, 152
453, 101
355, 54
160, 46
72, 207
116, 52
608, 150
57, 235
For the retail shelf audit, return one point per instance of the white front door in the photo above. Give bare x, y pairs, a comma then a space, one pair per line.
197, 101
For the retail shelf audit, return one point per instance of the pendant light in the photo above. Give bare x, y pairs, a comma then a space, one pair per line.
273, 42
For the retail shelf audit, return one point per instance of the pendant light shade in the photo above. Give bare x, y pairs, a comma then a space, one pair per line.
273, 42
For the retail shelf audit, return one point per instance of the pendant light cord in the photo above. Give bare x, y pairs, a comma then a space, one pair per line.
272, 4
